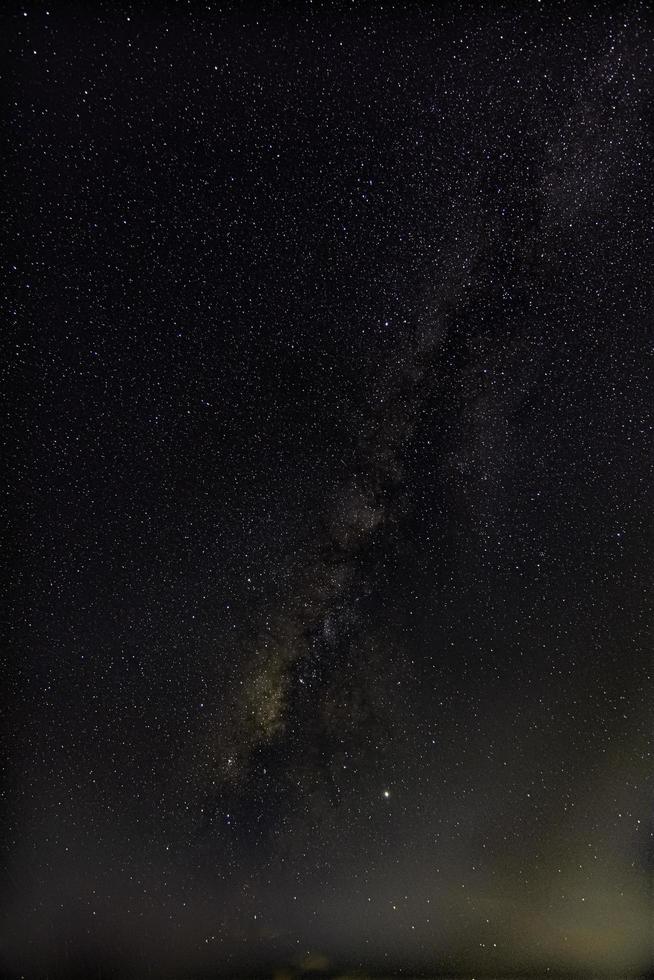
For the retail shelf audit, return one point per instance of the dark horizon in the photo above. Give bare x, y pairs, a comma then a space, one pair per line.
330, 490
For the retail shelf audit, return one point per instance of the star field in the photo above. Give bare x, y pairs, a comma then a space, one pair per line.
328, 365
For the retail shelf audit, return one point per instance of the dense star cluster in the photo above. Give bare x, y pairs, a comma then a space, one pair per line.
331, 490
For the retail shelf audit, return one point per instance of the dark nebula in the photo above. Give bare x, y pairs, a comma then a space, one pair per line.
330, 490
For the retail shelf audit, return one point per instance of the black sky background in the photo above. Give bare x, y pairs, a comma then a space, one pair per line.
330, 489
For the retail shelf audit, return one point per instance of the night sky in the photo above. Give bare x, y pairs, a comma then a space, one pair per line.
330, 490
